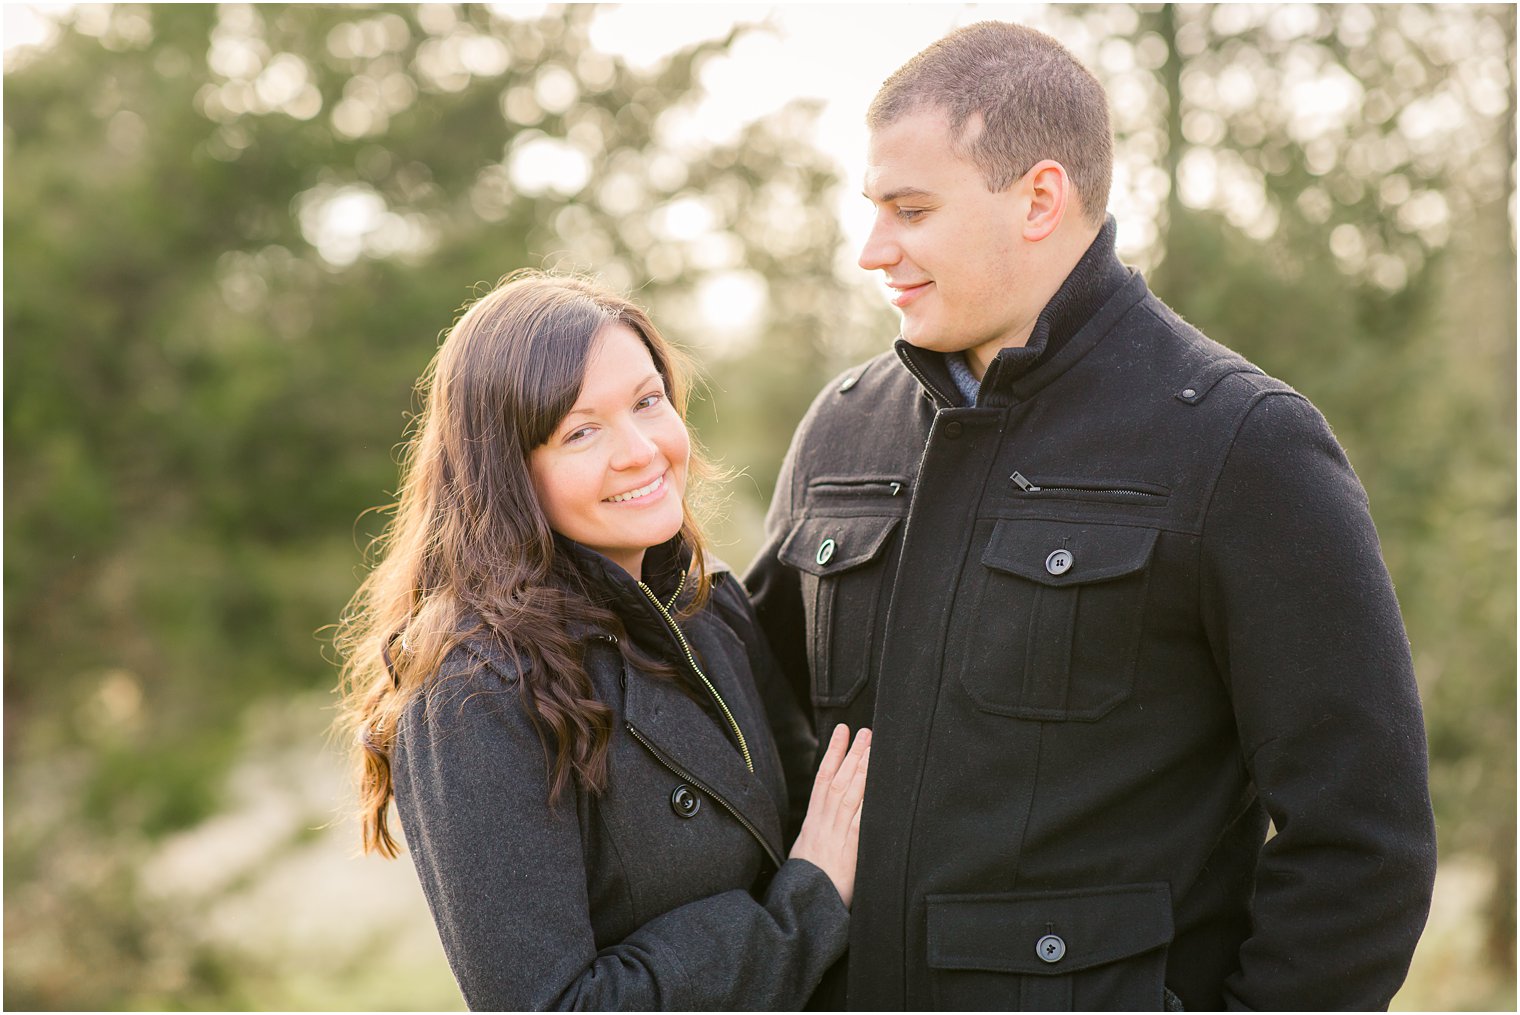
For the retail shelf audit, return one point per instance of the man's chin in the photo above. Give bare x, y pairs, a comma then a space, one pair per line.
927, 339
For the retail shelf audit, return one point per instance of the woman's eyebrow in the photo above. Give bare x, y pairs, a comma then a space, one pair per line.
652, 376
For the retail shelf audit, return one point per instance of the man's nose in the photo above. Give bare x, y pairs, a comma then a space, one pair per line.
880, 250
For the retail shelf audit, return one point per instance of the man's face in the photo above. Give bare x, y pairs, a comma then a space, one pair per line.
951, 250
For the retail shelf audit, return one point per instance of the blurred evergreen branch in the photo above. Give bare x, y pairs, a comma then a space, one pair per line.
235, 233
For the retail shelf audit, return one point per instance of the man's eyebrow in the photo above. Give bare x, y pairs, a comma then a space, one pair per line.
898, 194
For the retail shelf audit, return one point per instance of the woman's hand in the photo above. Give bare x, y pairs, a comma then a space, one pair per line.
831, 830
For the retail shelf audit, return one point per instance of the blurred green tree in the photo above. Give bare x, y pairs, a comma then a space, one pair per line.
236, 232
1337, 204
234, 236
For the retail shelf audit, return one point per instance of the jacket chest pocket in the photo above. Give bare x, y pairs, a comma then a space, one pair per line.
1058, 607
843, 563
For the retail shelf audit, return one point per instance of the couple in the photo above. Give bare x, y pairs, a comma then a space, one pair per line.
1101, 599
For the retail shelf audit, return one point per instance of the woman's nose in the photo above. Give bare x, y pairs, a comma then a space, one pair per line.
634, 449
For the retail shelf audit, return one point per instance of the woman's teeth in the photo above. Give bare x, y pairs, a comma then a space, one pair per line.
642, 491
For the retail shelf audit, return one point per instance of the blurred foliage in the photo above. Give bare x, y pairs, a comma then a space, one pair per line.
209, 360
1376, 272
235, 233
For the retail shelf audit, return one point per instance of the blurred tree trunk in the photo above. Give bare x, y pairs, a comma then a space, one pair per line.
1396, 319
1164, 24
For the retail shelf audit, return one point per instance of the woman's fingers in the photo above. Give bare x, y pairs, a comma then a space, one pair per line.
841, 796
831, 830
839, 785
855, 790
832, 758
854, 763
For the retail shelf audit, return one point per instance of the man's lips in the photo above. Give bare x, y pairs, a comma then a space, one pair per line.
903, 295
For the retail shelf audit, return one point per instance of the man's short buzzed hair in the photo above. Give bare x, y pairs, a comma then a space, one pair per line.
1034, 101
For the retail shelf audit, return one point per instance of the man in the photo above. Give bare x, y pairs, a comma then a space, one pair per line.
1109, 597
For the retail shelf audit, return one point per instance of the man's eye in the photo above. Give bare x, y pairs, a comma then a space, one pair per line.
909, 214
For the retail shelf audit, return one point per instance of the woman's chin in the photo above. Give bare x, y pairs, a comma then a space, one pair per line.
629, 542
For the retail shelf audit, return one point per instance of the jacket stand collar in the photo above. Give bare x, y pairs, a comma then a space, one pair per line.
609, 586
1095, 279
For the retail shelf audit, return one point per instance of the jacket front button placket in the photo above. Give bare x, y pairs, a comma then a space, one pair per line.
1050, 948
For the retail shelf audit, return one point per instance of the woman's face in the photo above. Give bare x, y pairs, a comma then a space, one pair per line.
613, 473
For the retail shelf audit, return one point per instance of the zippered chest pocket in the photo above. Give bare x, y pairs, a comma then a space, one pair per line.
843, 563
1059, 608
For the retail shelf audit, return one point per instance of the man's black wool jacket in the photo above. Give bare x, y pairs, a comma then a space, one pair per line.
1105, 624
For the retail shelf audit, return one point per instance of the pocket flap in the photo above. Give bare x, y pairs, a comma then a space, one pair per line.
1008, 933
826, 546
1068, 553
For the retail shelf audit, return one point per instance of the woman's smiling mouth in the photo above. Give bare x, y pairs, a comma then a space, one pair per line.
639, 494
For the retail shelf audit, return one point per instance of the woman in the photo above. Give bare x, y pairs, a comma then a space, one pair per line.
571, 702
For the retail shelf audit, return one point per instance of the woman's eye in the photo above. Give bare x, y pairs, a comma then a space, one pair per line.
576, 435
648, 401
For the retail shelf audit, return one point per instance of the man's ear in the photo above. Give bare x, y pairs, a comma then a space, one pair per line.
1047, 189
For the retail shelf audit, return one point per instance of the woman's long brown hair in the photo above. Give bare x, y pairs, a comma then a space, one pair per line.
468, 553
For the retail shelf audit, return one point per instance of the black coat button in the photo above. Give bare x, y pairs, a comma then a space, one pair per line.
953, 429
684, 801
1050, 948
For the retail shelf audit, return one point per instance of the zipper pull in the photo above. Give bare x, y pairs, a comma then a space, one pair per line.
1024, 484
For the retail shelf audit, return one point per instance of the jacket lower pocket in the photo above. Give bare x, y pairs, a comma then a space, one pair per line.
1059, 608
1100, 949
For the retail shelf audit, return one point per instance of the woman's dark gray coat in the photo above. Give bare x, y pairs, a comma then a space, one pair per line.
650, 896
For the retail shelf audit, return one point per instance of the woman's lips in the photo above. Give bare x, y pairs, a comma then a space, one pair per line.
642, 494
902, 297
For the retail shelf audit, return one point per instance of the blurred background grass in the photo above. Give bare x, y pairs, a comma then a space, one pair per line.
233, 235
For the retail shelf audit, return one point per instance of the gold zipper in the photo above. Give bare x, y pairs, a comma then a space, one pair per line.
692, 660
686, 776
677, 593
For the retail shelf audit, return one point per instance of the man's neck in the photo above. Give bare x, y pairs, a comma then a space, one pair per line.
1069, 245
980, 357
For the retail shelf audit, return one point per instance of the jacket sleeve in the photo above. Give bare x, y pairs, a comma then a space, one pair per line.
776, 590
505, 875
1302, 619
790, 723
